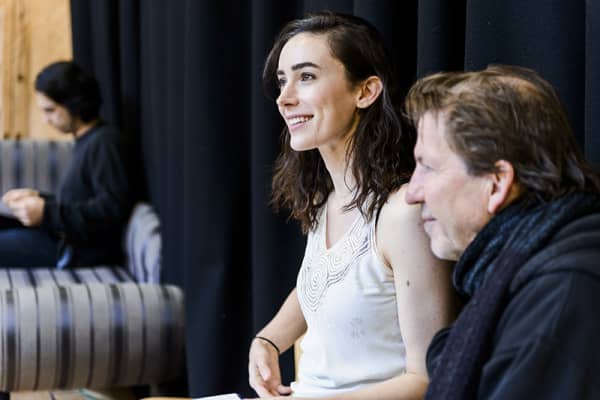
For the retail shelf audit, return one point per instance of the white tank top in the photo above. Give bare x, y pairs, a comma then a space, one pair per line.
348, 299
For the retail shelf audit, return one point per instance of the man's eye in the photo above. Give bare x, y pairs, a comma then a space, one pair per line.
424, 166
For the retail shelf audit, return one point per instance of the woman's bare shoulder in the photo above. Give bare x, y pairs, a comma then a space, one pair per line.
397, 210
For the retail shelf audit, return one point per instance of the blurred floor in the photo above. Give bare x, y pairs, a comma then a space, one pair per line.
83, 394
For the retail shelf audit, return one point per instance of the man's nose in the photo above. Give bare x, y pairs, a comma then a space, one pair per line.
414, 192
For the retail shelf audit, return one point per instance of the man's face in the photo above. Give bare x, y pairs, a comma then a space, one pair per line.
55, 114
455, 204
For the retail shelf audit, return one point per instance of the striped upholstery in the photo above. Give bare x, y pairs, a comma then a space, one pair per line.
95, 327
16, 278
143, 244
95, 335
33, 163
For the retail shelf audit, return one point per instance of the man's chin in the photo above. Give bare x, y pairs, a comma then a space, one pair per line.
443, 251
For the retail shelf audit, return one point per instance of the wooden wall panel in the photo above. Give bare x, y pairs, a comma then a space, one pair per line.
33, 33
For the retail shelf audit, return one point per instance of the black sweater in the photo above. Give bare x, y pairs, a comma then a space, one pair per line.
94, 201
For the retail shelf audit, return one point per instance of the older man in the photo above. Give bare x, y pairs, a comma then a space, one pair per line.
506, 193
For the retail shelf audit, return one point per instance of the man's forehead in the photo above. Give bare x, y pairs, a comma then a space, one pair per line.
432, 128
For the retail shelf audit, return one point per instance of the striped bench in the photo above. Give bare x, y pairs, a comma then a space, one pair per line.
96, 327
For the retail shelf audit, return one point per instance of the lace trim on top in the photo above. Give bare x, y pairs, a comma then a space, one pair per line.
324, 267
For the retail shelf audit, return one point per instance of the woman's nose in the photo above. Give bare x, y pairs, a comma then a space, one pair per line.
287, 96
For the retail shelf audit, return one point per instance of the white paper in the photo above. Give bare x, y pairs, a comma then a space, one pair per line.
230, 396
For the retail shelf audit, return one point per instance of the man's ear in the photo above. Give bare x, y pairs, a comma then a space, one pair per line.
370, 89
504, 188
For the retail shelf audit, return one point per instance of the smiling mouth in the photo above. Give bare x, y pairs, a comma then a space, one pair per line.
297, 121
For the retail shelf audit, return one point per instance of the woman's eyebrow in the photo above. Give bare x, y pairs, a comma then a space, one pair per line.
303, 65
300, 66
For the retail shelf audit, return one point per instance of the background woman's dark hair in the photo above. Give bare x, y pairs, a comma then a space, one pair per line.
380, 150
70, 86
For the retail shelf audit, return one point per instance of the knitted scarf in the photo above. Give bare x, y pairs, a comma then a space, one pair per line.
483, 274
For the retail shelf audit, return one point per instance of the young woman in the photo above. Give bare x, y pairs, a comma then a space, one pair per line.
369, 295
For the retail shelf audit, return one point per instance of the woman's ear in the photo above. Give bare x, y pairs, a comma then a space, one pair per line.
370, 89
504, 188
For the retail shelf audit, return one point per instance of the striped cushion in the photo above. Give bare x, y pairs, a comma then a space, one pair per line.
13, 278
93, 327
143, 244
35, 164
88, 327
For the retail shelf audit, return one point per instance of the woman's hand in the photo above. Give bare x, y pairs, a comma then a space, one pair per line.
263, 370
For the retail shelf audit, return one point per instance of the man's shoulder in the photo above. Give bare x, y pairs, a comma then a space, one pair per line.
575, 248
553, 289
102, 138
104, 132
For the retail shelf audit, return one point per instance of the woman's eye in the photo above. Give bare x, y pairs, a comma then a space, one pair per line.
306, 76
281, 82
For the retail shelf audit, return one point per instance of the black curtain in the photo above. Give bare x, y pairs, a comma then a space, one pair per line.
182, 79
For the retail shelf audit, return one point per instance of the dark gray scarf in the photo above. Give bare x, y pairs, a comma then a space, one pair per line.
482, 276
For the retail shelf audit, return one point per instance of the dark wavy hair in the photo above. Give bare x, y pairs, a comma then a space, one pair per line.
71, 86
507, 113
380, 150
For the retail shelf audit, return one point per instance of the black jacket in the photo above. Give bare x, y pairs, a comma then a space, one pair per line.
547, 341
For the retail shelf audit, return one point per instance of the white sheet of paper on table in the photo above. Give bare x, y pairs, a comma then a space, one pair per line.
230, 396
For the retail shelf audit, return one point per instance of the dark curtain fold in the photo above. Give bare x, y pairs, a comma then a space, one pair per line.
216, 174
183, 81
591, 89
547, 36
440, 36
